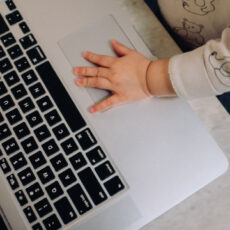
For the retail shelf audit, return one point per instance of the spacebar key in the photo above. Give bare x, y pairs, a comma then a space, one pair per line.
61, 96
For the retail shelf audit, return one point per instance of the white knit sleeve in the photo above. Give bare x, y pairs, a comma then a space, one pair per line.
204, 71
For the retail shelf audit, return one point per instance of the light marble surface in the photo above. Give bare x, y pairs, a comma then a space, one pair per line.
208, 209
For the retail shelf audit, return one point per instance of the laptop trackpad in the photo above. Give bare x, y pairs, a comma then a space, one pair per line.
96, 38
121, 215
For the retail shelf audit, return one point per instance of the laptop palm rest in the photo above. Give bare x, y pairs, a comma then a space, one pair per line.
103, 220
167, 140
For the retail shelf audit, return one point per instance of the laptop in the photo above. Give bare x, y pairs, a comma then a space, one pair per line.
64, 168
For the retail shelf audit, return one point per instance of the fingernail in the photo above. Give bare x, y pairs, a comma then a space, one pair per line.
76, 70
85, 54
115, 42
79, 81
92, 110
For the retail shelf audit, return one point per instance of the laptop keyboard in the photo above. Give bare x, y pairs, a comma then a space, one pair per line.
55, 166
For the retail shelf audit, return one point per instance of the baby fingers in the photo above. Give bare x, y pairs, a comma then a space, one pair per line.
95, 82
92, 71
105, 104
101, 60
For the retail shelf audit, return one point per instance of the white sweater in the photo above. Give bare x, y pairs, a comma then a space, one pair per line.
205, 71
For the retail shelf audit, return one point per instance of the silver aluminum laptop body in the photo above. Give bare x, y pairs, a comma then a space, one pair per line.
159, 146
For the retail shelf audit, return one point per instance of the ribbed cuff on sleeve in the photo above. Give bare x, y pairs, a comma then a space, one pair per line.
188, 75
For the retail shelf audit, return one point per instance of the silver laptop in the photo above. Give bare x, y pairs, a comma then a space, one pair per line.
64, 168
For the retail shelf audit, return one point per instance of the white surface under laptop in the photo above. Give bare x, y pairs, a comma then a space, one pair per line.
159, 145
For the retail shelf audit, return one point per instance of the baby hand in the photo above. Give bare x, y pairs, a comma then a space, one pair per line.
124, 76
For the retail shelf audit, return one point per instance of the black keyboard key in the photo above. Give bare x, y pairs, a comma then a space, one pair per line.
105, 170
18, 161
44, 104
50, 147
54, 190
10, 146
21, 197
14, 17
22, 64
34, 191
2, 52
19, 91
79, 198
92, 186
4, 166
65, 210
8, 39
29, 145
67, 177
114, 185
34, 118
43, 207
3, 224
60, 131
3, 28
52, 223
69, 146
61, 96
29, 213
37, 160
52, 117
37, 90
28, 41
12, 181
86, 139
14, 116
42, 133
36, 55
29, 77
15, 52
46, 175
1, 118
6, 102
4, 132
3, 89
5, 65
26, 176
95, 155
11, 78
58, 162
26, 105
78, 161
10, 4
21, 130
24, 27
37, 227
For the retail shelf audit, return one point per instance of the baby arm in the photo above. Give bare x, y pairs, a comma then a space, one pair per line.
130, 77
